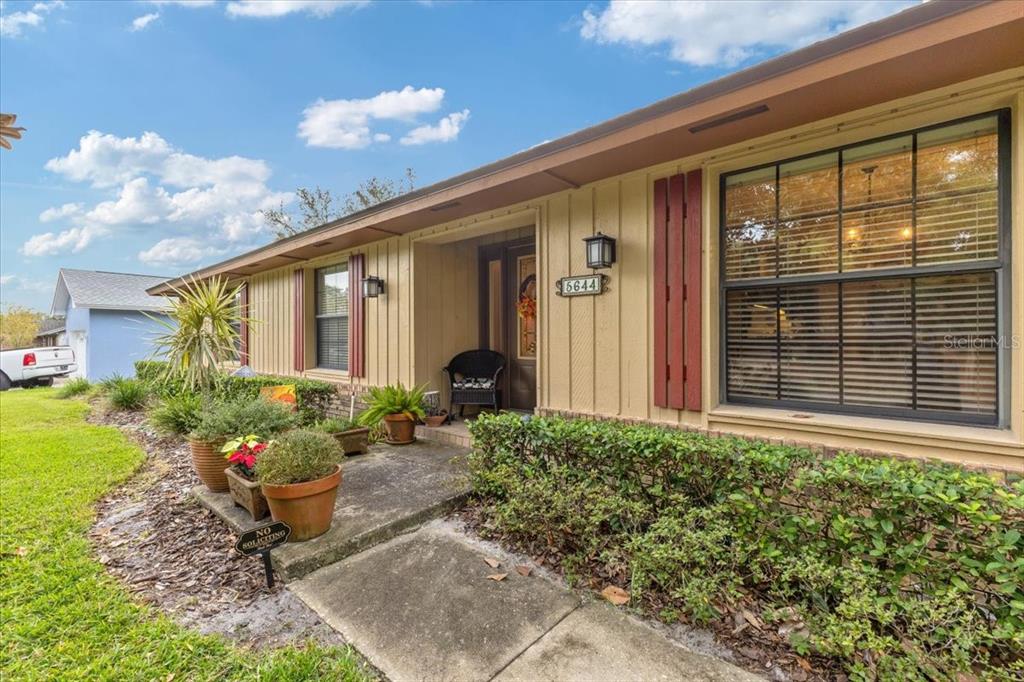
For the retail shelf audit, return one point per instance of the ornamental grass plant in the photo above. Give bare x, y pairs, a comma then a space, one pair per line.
298, 456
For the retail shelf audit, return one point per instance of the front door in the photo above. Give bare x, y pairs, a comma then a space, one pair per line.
509, 317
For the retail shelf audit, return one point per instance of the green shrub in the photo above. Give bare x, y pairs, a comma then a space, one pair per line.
382, 401
901, 569
225, 419
298, 456
176, 415
126, 394
312, 396
75, 387
336, 425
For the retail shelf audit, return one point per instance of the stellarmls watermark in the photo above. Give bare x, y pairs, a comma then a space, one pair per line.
981, 341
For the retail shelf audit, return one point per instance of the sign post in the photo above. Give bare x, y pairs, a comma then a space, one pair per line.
261, 540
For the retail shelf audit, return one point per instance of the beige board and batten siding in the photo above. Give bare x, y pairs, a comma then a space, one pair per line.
595, 353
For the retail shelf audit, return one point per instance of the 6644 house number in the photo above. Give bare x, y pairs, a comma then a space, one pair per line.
581, 285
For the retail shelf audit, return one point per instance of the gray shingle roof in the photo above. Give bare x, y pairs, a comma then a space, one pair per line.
50, 325
114, 290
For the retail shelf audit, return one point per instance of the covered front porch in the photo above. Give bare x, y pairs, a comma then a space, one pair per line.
476, 289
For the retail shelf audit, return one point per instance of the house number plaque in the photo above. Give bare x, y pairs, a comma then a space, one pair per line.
581, 285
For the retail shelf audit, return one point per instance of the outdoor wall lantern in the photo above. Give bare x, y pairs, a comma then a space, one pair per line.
600, 251
372, 287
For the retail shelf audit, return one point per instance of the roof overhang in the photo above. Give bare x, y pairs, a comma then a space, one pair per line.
929, 46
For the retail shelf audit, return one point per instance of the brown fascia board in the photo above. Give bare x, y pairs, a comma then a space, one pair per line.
918, 38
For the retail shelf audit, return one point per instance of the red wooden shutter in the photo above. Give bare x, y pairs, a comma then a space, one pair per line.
299, 319
660, 293
677, 262
243, 326
356, 316
693, 289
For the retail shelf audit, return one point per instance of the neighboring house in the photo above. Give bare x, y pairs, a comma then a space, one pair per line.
51, 333
106, 319
814, 249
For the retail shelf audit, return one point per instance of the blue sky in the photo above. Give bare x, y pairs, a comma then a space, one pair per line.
156, 131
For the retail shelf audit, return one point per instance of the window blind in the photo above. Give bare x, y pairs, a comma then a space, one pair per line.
867, 279
332, 309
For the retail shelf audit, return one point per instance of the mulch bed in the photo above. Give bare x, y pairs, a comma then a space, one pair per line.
754, 644
176, 555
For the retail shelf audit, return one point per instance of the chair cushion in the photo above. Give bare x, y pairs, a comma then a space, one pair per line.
477, 383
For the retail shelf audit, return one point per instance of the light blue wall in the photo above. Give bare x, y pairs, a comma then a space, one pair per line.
76, 324
117, 338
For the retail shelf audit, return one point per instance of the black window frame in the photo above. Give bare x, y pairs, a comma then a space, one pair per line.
319, 318
1000, 266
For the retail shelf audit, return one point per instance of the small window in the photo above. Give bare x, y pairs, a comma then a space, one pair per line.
868, 279
332, 317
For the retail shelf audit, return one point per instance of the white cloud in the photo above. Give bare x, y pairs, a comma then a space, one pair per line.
139, 23
264, 9
157, 185
108, 160
183, 3
345, 123
12, 25
136, 203
71, 240
446, 130
176, 251
26, 284
59, 212
727, 33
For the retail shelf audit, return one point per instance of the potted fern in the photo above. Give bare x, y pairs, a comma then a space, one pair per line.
398, 407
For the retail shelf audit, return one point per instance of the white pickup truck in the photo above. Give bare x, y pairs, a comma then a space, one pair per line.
28, 367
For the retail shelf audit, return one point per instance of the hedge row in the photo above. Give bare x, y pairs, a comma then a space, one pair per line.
899, 569
313, 397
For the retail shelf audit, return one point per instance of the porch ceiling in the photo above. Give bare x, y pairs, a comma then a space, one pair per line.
940, 43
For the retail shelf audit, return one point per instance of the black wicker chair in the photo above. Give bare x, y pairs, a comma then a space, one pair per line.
473, 379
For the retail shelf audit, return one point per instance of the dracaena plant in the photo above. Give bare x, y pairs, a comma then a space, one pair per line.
382, 401
200, 333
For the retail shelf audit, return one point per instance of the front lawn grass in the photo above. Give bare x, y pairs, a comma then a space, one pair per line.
61, 616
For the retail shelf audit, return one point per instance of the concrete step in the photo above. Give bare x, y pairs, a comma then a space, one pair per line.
389, 491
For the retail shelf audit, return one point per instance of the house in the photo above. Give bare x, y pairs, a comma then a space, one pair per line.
814, 249
106, 319
51, 333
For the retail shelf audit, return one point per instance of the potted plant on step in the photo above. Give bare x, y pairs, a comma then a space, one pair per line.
242, 453
353, 438
299, 474
223, 420
398, 407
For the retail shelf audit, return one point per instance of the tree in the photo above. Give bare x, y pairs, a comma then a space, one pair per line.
317, 206
18, 327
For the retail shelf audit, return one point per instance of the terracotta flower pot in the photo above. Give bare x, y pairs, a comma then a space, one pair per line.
435, 420
354, 441
401, 430
307, 507
247, 494
208, 461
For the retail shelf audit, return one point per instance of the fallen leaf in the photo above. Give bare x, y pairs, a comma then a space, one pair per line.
21, 551
615, 595
523, 570
752, 619
804, 663
493, 563
497, 577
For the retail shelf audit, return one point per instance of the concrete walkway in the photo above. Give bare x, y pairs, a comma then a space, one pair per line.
386, 492
421, 607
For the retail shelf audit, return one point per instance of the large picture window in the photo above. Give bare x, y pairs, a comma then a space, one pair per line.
332, 317
870, 279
